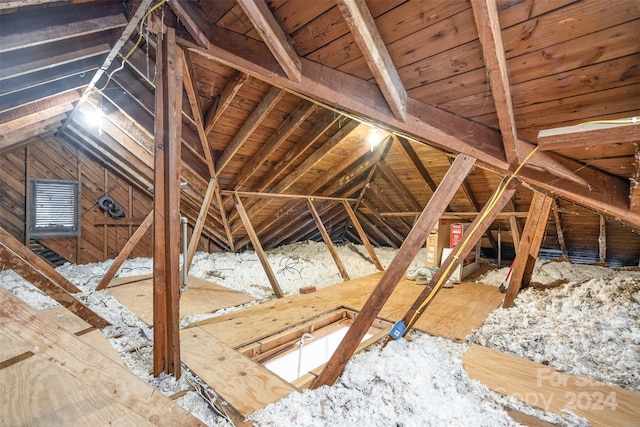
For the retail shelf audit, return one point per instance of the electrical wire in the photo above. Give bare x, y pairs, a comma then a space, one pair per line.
135, 46
632, 120
504, 184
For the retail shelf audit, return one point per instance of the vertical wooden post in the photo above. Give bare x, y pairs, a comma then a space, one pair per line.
166, 207
363, 235
27, 211
602, 240
327, 241
515, 232
557, 218
529, 246
389, 280
262, 256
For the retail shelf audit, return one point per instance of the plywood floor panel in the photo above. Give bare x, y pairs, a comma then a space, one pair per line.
542, 386
244, 384
201, 296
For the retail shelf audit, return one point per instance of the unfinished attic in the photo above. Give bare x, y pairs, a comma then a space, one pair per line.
319, 213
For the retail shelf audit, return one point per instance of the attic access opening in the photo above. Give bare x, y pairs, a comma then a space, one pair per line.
299, 354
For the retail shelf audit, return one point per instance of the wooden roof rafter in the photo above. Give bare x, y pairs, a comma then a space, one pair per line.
276, 40
485, 13
363, 27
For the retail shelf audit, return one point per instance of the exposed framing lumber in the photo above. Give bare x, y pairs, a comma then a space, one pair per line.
634, 191
199, 225
258, 248
376, 231
124, 37
588, 134
34, 260
529, 246
47, 341
32, 113
287, 196
515, 232
557, 218
388, 174
485, 13
478, 227
342, 92
288, 126
166, 207
415, 160
458, 215
364, 30
374, 212
41, 280
193, 19
223, 100
125, 252
602, 240
327, 240
261, 111
58, 25
190, 88
436, 206
276, 40
363, 236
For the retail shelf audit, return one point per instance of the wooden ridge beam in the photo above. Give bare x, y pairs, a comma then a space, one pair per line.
261, 111
530, 242
390, 278
258, 248
363, 28
274, 37
166, 208
125, 252
327, 240
478, 227
485, 13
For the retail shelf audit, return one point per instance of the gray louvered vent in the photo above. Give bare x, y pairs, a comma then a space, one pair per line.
54, 208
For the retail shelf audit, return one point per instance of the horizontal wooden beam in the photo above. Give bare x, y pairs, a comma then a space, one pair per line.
588, 134
455, 215
287, 196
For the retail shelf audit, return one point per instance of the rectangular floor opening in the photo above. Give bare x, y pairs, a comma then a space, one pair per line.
298, 355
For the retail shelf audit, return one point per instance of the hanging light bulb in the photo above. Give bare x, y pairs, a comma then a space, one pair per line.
375, 137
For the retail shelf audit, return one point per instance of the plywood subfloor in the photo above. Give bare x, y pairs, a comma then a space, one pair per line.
542, 386
201, 296
208, 347
62, 379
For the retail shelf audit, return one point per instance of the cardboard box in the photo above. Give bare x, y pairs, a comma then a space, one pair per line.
457, 231
461, 271
437, 240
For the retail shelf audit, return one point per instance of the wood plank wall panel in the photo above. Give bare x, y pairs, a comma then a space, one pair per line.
52, 158
12, 192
